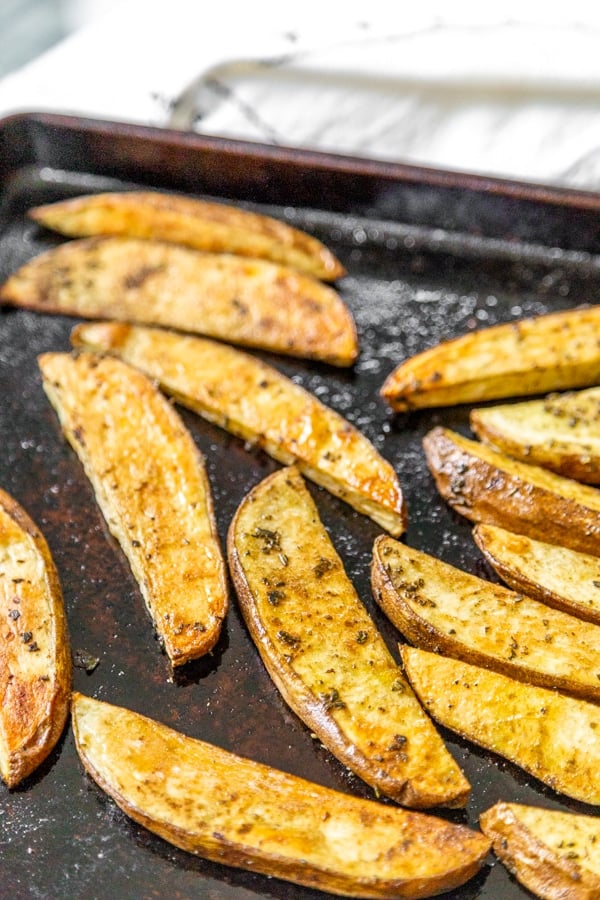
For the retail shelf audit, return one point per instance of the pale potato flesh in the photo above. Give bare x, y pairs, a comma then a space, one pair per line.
551, 736
35, 659
257, 403
438, 607
151, 485
201, 224
491, 487
559, 577
242, 813
555, 854
560, 432
551, 352
324, 652
236, 299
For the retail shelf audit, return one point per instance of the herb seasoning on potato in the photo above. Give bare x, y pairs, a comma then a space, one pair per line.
242, 813
35, 659
323, 650
151, 485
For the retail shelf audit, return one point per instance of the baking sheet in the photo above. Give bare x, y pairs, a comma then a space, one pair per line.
428, 256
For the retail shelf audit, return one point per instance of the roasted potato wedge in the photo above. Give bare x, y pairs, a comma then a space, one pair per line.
556, 855
151, 485
487, 486
243, 301
560, 432
324, 652
559, 577
553, 737
35, 659
257, 403
242, 813
438, 607
200, 224
551, 352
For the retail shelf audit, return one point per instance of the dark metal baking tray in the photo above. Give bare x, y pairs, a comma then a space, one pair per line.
429, 255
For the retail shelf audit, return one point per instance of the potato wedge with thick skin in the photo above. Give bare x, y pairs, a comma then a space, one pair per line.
323, 650
35, 657
553, 737
257, 403
151, 486
438, 607
560, 432
242, 301
242, 813
201, 224
554, 854
487, 486
557, 576
550, 352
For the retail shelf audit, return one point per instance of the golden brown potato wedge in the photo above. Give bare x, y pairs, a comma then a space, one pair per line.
243, 301
556, 855
553, 737
550, 352
560, 432
487, 486
324, 652
438, 607
151, 485
201, 224
35, 658
559, 577
241, 813
257, 403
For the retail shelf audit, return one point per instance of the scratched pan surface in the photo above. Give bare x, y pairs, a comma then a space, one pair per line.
429, 256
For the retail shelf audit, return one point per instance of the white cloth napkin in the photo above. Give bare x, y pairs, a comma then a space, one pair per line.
493, 92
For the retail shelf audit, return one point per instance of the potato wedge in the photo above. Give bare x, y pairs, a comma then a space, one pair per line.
560, 432
257, 403
201, 224
556, 855
243, 301
324, 652
487, 486
559, 577
553, 737
35, 658
241, 813
438, 607
551, 352
151, 485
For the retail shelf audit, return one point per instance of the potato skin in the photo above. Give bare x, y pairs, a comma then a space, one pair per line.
201, 224
242, 813
549, 873
487, 486
324, 653
35, 658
